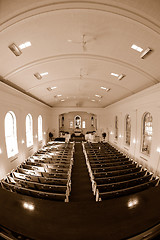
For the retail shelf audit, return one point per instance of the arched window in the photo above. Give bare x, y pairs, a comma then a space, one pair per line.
39, 128
127, 130
116, 127
77, 121
146, 133
11, 134
29, 130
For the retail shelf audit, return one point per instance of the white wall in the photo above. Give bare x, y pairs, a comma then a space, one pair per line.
21, 105
101, 125
136, 105
68, 117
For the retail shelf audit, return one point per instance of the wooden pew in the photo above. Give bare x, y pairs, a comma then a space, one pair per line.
123, 192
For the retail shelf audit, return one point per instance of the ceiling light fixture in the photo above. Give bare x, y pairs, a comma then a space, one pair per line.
135, 47
15, 49
118, 76
106, 89
145, 52
114, 74
93, 100
38, 76
44, 74
121, 76
25, 45
99, 96
62, 100
51, 88
59, 95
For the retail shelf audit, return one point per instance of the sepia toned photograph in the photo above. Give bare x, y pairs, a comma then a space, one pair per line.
79, 120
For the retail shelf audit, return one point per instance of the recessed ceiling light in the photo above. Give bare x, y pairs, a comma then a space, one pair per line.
114, 74
51, 88
40, 75
135, 47
62, 100
106, 89
25, 45
59, 95
44, 74
118, 76
98, 96
93, 100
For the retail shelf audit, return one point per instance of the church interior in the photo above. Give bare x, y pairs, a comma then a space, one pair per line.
79, 119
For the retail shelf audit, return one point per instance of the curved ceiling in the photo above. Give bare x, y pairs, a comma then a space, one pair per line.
79, 44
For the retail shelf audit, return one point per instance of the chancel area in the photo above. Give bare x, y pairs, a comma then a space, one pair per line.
79, 119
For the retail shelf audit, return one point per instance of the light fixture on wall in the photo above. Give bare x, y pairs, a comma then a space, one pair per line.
22, 141
0, 151
134, 140
158, 149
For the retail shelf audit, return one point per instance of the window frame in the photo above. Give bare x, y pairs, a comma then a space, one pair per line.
144, 134
116, 127
29, 142
75, 120
40, 128
11, 152
126, 132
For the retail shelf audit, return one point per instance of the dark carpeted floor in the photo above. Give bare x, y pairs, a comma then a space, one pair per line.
81, 184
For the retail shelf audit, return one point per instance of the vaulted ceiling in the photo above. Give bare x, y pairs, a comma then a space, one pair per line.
79, 44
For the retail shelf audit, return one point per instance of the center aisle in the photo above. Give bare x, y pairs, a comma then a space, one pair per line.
81, 185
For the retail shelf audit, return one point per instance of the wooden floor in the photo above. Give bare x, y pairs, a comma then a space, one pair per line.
110, 219
82, 218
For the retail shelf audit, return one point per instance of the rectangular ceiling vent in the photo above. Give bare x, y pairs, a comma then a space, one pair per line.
15, 49
145, 53
38, 76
